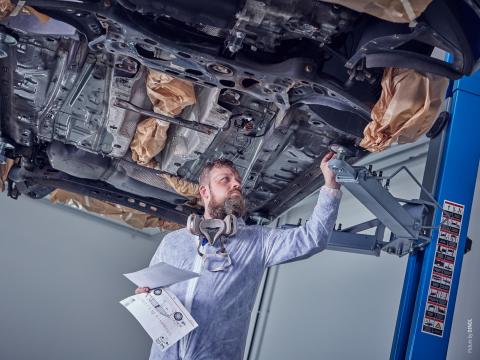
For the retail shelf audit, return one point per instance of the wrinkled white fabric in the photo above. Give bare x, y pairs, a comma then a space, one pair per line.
221, 302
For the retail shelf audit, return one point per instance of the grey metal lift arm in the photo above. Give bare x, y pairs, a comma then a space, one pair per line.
404, 221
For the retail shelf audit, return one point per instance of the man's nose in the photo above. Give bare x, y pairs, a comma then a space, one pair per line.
236, 184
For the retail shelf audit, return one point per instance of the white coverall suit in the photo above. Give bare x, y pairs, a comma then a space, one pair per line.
221, 302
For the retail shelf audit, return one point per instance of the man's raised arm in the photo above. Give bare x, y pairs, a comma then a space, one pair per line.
285, 245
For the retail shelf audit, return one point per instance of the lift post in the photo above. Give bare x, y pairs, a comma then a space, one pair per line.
432, 276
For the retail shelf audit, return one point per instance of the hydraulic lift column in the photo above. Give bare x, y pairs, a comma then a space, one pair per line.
432, 276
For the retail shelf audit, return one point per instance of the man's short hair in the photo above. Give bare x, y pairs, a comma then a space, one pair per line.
204, 175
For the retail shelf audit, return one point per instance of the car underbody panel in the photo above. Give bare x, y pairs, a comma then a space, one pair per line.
276, 82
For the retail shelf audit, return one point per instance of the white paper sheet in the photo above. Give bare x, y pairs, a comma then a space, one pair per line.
159, 275
162, 316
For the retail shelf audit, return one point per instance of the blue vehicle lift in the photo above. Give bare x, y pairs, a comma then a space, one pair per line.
431, 230
432, 276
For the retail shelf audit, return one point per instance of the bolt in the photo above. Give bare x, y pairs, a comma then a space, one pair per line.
233, 94
221, 69
248, 125
308, 68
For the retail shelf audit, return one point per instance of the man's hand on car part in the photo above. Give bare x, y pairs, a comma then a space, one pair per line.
328, 174
142, 290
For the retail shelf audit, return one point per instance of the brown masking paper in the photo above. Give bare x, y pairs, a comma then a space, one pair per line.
407, 108
6, 9
132, 217
399, 11
181, 186
169, 97
149, 140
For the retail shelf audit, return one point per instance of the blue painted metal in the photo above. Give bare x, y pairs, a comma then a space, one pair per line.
456, 183
407, 306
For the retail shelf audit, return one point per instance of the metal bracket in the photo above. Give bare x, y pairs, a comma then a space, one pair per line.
350, 239
404, 221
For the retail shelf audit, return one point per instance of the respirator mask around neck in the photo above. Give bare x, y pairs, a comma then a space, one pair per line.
213, 232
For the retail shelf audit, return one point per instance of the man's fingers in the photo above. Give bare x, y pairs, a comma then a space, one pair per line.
141, 290
328, 156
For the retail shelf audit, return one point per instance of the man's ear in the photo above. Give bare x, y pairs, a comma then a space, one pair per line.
204, 192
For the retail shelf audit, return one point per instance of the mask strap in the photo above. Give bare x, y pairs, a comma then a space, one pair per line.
222, 267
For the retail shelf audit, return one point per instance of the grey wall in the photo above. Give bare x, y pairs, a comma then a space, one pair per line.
61, 280
343, 306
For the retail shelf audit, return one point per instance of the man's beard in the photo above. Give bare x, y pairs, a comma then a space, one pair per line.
233, 205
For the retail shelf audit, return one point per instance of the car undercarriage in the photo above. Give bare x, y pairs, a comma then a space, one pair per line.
276, 83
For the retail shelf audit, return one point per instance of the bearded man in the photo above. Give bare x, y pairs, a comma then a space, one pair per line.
222, 297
